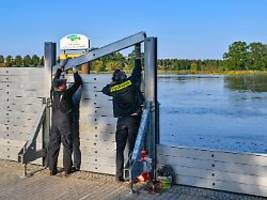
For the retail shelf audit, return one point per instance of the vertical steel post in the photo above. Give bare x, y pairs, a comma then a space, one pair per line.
151, 96
50, 53
50, 56
138, 61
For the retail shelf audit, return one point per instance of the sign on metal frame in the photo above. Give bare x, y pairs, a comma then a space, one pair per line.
74, 42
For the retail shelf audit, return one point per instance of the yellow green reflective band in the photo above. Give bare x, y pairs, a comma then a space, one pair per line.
121, 86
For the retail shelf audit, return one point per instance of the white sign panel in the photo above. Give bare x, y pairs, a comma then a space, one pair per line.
74, 42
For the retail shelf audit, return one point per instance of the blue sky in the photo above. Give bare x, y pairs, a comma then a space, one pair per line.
185, 28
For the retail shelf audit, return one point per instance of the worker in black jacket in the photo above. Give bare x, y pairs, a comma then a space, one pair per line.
61, 121
127, 107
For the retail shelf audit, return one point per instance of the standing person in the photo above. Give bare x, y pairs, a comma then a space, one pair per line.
127, 107
76, 128
61, 121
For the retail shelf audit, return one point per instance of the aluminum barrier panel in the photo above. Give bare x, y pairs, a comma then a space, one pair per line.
97, 126
22, 91
235, 172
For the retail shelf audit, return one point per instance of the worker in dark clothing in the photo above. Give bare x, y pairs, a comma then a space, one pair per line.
76, 128
61, 121
127, 107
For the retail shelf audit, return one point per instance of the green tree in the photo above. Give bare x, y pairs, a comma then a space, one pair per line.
42, 61
27, 61
98, 66
194, 66
111, 65
35, 60
2, 61
18, 61
237, 56
257, 56
9, 61
115, 60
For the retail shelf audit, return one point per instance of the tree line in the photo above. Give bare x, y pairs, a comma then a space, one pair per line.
240, 56
21, 61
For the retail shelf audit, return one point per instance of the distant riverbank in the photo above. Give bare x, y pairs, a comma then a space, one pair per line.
231, 72
183, 72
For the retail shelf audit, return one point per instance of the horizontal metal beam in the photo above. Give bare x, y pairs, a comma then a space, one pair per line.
108, 49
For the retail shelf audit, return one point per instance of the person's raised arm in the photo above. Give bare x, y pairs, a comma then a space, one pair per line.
77, 83
106, 90
137, 71
59, 71
56, 77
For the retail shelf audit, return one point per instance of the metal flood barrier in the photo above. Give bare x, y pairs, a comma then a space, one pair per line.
25, 122
97, 124
22, 102
221, 170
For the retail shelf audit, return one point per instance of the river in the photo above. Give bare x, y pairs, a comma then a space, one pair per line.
226, 113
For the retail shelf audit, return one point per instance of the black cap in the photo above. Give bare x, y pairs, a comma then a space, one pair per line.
118, 75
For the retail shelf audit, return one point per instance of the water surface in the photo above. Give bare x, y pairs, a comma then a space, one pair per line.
218, 112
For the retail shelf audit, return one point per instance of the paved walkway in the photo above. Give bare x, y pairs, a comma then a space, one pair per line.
84, 185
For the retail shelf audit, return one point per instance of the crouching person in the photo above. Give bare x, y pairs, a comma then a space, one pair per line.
127, 102
61, 121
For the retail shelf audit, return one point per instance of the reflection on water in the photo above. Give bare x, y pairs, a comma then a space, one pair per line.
252, 83
227, 113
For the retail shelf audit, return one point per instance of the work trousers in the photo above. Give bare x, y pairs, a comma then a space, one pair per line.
60, 132
127, 129
76, 139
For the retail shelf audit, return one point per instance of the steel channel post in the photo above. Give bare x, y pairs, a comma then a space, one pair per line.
150, 79
50, 54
